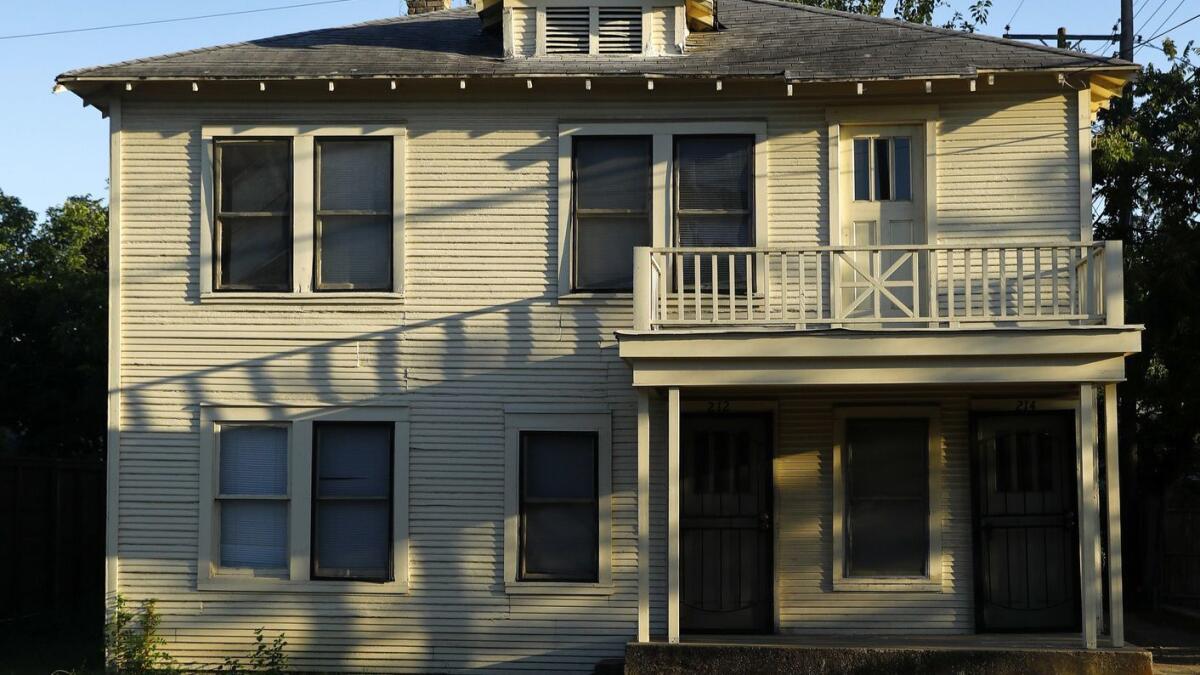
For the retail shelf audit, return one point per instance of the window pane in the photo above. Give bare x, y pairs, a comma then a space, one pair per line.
701, 231
862, 169
903, 170
254, 534
354, 460
888, 538
612, 173
256, 252
714, 172
559, 464
560, 542
256, 175
356, 175
353, 539
604, 251
883, 170
887, 458
253, 460
356, 251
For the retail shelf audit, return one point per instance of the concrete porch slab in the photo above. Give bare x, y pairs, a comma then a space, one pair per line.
799, 656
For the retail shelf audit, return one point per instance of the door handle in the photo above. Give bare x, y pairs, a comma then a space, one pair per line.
764, 521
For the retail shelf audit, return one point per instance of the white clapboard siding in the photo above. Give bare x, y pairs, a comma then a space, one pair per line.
524, 31
480, 327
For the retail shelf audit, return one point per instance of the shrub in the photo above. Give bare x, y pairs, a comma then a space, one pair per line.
131, 640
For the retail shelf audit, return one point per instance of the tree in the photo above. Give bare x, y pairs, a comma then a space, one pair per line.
914, 11
53, 327
1150, 143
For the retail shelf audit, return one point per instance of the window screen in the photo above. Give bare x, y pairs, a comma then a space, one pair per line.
253, 214
612, 209
252, 497
559, 509
354, 214
352, 501
887, 503
713, 204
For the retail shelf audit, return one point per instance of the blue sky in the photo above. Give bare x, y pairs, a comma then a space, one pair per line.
51, 148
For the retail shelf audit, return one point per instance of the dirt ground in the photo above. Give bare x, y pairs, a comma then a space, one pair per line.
1175, 642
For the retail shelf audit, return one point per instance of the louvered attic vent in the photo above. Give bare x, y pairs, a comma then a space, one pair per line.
620, 30
567, 30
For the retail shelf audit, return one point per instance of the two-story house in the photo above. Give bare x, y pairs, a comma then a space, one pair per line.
519, 335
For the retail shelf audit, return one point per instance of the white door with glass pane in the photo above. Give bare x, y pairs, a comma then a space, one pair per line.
882, 187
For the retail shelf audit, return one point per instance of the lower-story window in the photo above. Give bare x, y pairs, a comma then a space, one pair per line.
887, 472
304, 498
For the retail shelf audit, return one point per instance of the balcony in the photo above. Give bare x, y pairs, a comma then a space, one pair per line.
906, 286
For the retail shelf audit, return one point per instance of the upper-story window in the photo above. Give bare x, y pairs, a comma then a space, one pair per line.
302, 210
593, 30
883, 169
254, 214
611, 209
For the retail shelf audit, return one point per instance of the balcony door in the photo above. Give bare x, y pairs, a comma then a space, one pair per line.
882, 204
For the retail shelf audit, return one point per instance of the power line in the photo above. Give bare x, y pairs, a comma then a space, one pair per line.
1141, 6
1158, 9
1168, 17
1172, 28
1015, 13
174, 20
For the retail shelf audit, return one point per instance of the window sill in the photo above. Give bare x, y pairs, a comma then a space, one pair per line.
888, 584
581, 298
556, 588
290, 298
268, 585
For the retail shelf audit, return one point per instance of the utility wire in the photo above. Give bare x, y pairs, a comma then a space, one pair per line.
1140, 7
1176, 26
1014, 14
1155, 12
174, 20
1168, 17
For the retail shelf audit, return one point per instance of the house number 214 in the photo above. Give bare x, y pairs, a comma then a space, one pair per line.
718, 406
1026, 406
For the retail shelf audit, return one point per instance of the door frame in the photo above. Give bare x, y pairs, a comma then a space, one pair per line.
1005, 408
708, 407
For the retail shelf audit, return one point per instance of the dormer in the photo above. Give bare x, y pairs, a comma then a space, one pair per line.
596, 28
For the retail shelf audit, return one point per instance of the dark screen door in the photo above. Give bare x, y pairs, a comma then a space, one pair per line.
725, 526
1027, 553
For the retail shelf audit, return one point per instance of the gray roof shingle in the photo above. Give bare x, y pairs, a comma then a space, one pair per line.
759, 38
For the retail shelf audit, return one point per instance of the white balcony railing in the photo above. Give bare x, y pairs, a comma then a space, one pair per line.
898, 286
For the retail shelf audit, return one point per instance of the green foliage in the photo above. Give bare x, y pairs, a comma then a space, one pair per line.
132, 643
53, 330
914, 11
1147, 153
267, 658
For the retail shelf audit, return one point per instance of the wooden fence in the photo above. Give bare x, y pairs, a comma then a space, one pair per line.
52, 538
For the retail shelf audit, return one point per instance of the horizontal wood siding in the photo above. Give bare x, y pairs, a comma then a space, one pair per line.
480, 327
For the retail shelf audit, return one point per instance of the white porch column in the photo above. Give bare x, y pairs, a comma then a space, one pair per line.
1112, 474
643, 514
673, 515
1090, 593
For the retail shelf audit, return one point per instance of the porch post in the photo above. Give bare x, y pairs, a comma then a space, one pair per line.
1112, 473
673, 515
643, 514
1089, 514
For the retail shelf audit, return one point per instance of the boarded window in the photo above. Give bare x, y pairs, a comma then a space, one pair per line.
354, 214
887, 497
252, 497
352, 501
611, 201
714, 202
620, 30
254, 214
559, 511
568, 30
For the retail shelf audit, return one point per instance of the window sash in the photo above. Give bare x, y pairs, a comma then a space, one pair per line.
524, 500
319, 573
320, 213
221, 498
747, 213
579, 213
220, 215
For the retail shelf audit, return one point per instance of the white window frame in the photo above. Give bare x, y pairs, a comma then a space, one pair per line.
556, 418
932, 581
662, 180
304, 181
210, 576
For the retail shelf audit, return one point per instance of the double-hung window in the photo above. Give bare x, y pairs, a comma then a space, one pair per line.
558, 491
611, 204
254, 214
305, 499
714, 204
886, 471
301, 211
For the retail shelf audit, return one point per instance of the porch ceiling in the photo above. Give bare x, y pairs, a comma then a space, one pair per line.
885, 356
